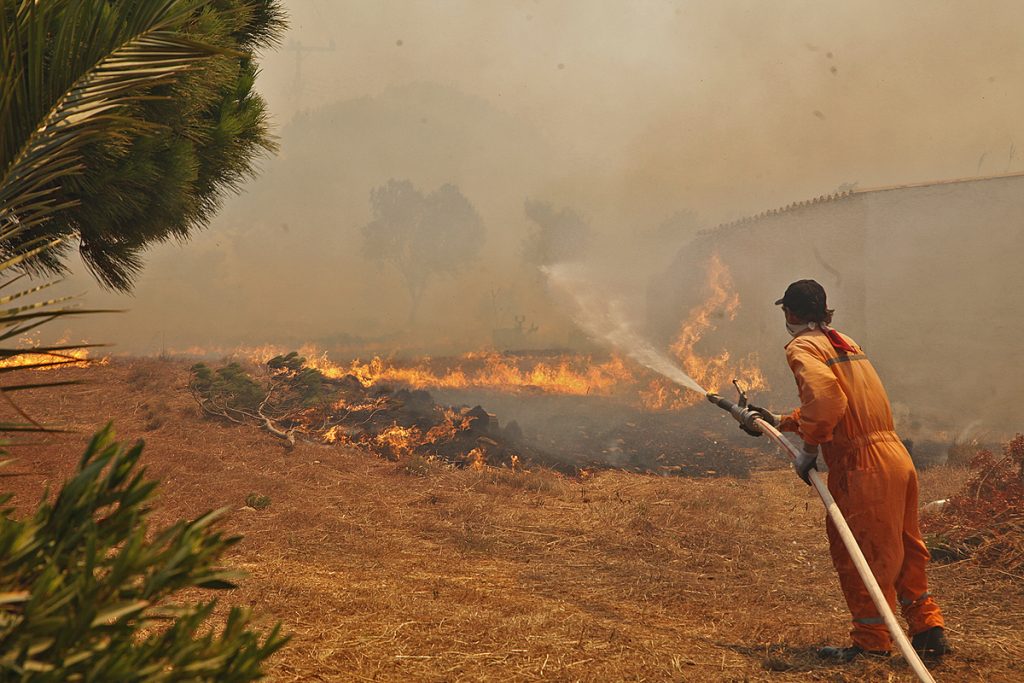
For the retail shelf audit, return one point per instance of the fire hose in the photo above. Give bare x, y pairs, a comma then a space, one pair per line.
753, 421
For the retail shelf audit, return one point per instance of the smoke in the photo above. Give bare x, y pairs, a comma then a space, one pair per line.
606, 317
649, 120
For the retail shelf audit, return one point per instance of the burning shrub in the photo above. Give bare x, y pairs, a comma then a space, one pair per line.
306, 387
985, 520
296, 399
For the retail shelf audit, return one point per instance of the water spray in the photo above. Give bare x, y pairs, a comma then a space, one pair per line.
749, 420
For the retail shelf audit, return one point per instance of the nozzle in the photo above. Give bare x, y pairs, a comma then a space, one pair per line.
720, 401
738, 411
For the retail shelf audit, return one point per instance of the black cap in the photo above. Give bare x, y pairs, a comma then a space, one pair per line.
806, 298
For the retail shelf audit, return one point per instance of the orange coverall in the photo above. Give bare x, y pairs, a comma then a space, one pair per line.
845, 410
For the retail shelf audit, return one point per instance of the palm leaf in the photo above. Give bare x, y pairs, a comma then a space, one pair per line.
41, 385
16, 321
70, 70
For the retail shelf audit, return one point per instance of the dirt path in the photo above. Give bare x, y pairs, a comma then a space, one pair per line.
382, 574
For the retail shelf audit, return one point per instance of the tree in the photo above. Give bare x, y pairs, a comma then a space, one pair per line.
73, 77
559, 234
423, 236
154, 97
85, 592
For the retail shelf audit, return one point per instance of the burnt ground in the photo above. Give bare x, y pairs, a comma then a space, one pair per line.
386, 572
600, 432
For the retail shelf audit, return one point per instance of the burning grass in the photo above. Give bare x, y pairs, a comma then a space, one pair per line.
70, 357
559, 374
365, 409
293, 400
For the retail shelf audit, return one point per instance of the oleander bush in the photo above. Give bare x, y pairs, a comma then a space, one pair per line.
88, 592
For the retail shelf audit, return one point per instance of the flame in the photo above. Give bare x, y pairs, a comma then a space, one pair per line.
569, 375
71, 358
578, 375
657, 396
454, 422
395, 440
714, 371
450, 435
332, 435
476, 459
342, 404
401, 441
566, 375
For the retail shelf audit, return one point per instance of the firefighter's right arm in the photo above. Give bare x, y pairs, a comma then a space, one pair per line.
822, 401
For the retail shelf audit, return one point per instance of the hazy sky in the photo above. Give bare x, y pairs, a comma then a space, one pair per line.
626, 111
735, 106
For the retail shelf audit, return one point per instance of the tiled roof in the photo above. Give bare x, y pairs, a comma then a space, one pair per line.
836, 196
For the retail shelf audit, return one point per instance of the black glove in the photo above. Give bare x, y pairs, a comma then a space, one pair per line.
806, 462
766, 415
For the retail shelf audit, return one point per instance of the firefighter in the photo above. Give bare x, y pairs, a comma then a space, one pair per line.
844, 412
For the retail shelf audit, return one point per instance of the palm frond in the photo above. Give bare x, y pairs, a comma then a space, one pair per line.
69, 71
41, 385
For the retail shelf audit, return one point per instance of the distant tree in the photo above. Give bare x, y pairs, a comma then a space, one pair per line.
558, 234
154, 98
423, 236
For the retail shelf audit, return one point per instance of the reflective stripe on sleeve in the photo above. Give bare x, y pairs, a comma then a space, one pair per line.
845, 359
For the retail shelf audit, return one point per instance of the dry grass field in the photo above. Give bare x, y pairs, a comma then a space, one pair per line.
385, 572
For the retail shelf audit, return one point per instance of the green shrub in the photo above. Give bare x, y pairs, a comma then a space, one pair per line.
292, 362
305, 387
88, 594
228, 389
291, 395
257, 501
